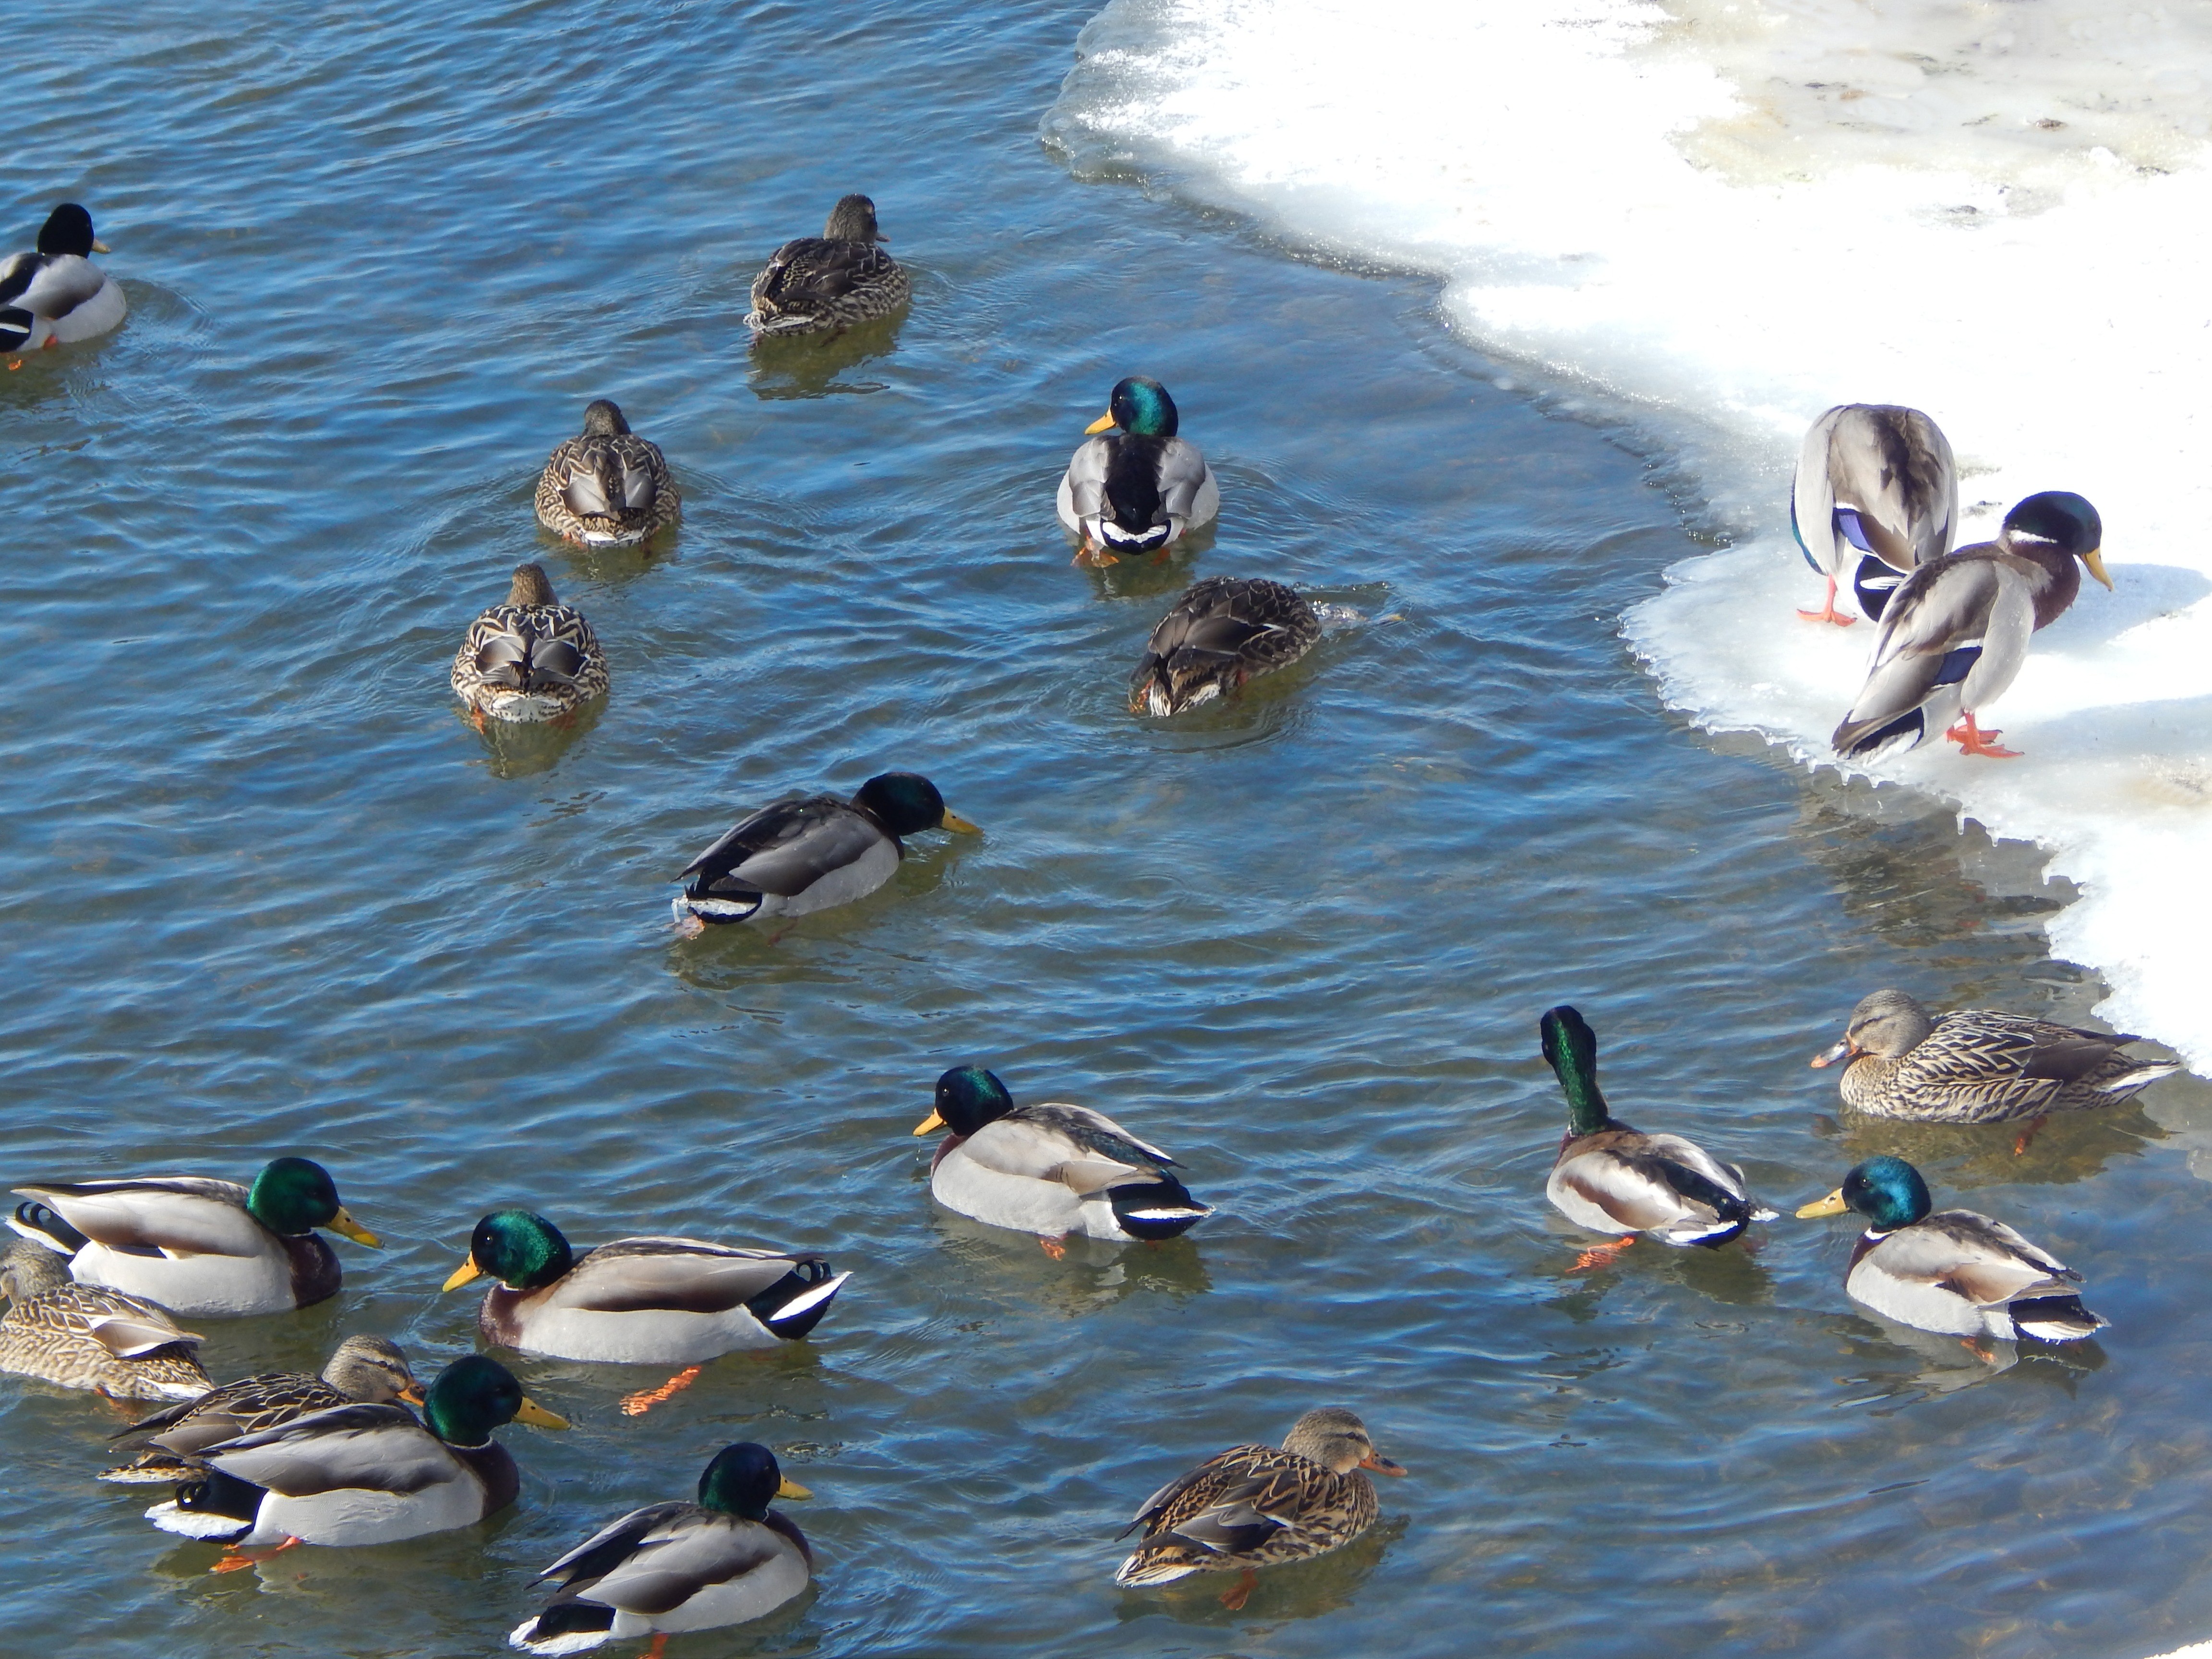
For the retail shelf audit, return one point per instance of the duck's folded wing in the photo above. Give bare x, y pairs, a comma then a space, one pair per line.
1971, 1256
251, 1404
16, 275
1086, 478
1057, 1144
686, 1275
786, 847
1935, 631
1893, 468
180, 1214
1192, 1493
129, 1333
60, 287
604, 1549
1182, 473
1654, 1182
679, 1551
373, 1448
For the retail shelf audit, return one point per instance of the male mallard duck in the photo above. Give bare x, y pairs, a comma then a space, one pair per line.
810, 852
1136, 487
58, 295
609, 488
1955, 634
1051, 1170
83, 1337
359, 1473
531, 658
835, 280
1954, 1272
1253, 1506
1978, 1066
1876, 494
651, 1301
1609, 1177
1223, 632
201, 1248
368, 1370
671, 1567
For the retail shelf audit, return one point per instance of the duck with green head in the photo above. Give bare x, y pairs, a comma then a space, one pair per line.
1613, 1179
54, 294
671, 1567
201, 1248
1956, 1271
1049, 1169
810, 852
362, 1473
1136, 485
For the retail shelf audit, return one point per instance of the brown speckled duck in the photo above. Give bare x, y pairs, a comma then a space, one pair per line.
83, 1337
609, 487
529, 659
814, 284
1255, 1506
1223, 632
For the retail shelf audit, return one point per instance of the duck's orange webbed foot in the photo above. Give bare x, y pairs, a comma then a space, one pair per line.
1601, 1255
1987, 1356
636, 1405
1053, 1247
658, 1647
1828, 613
236, 1560
2026, 1137
1972, 741
1239, 1592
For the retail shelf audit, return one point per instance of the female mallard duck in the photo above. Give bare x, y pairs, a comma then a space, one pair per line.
1609, 1177
811, 852
1954, 635
1253, 1506
1876, 496
672, 1567
359, 1473
56, 295
531, 658
609, 488
832, 281
368, 1369
1223, 632
1978, 1066
1135, 487
201, 1248
1051, 1170
83, 1337
1955, 1271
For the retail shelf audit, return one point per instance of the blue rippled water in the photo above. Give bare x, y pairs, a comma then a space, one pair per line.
264, 890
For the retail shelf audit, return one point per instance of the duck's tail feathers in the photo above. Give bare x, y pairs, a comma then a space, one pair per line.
153, 1468
1870, 740
794, 1304
1138, 1571
1154, 1210
2142, 1077
34, 1220
213, 1506
1711, 1234
15, 326
1150, 539
564, 1627
2056, 1319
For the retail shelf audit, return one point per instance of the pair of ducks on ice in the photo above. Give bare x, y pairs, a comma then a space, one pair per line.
1954, 1272
1876, 503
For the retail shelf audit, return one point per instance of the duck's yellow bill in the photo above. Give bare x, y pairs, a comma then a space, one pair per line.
346, 1227
954, 821
462, 1274
1383, 1465
99, 247
2095, 558
791, 1488
412, 1394
536, 1416
1831, 1205
1104, 423
930, 1125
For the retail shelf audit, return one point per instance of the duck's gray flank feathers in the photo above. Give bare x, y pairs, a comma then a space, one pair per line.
1876, 497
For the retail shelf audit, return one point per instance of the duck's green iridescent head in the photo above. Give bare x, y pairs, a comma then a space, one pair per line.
1141, 406
522, 1250
295, 1196
474, 1395
2065, 519
68, 229
906, 803
1571, 1048
744, 1480
1888, 1191
968, 1098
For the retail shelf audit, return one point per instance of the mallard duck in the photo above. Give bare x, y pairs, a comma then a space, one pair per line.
1253, 1506
1955, 633
650, 1301
1223, 631
1611, 1178
835, 280
83, 1337
1978, 1066
359, 1473
671, 1567
368, 1370
1051, 1170
809, 852
56, 295
1954, 1272
201, 1248
1876, 497
531, 658
1135, 487
609, 488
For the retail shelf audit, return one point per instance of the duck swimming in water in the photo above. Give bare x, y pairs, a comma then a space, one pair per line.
608, 487
1223, 632
529, 659
56, 295
1954, 636
1136, 486
84, 1337
1875, 497
815, 284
